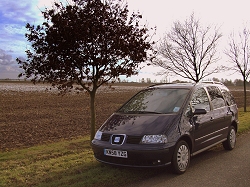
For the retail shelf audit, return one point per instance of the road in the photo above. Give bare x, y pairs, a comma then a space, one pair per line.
213, 168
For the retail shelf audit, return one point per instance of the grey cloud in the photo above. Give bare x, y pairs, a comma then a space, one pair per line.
8, 65
5, 59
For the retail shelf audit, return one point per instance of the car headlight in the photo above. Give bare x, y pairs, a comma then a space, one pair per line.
154, 139
98, 135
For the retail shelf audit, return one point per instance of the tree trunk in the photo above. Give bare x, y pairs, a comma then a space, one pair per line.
92, 114
245, 95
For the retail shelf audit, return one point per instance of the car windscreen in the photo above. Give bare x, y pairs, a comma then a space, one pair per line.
160, 101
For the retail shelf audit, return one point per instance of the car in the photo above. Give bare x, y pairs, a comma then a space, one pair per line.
167, 124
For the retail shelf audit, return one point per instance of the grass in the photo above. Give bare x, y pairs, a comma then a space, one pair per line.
244, 119
71, 163
65, 163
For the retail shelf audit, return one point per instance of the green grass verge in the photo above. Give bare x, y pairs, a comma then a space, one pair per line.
65, 163
244, 119
71, 163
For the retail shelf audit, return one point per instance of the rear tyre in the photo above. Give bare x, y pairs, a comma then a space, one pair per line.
181, 157
229, 144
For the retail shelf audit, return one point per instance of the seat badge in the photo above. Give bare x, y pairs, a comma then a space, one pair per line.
117, 139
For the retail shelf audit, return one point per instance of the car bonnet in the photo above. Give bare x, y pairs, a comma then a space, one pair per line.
139, 124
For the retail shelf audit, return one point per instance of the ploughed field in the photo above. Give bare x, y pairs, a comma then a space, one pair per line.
35, 114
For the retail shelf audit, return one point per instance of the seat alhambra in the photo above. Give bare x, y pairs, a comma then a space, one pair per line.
167, 124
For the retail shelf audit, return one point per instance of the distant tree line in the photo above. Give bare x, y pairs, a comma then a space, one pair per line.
226, 82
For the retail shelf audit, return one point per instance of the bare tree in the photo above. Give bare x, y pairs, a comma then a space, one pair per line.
188, 50
239, 55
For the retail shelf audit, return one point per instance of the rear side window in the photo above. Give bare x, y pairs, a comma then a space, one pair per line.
228, 97
216, 97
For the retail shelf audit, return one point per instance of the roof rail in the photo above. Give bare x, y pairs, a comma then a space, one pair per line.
212, 82
157, 84
169, 83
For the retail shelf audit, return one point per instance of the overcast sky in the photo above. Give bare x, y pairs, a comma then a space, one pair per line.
229, 15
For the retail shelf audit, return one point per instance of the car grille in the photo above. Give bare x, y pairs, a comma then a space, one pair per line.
134, 139
129, 139
105, 137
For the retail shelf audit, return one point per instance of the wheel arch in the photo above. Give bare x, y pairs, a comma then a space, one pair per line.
235, 125
189, 141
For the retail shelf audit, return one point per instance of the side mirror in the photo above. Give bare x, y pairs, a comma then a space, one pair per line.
199, 111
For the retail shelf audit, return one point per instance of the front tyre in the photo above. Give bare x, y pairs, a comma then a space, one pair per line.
181, 157
229, 144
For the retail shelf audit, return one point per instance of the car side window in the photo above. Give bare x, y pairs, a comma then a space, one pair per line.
216, 97
200, 100
228, 97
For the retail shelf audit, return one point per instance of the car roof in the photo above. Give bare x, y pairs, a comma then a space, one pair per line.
173, 85
189, 85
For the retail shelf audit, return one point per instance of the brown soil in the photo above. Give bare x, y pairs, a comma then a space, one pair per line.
31, 118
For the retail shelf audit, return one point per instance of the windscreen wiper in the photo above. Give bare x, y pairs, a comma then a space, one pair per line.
142, 112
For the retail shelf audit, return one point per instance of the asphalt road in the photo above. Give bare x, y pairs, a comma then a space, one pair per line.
212, 168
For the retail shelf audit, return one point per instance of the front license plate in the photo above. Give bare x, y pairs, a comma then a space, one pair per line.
115, 153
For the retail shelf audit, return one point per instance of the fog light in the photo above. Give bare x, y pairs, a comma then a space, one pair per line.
157, 162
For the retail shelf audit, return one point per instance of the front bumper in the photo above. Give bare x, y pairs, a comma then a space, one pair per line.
140, 155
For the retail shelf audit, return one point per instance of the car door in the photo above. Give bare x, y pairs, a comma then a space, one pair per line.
220, 113
202, 123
